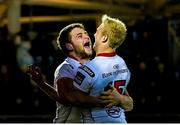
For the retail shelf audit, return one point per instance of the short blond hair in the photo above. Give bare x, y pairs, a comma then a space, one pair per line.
115, 29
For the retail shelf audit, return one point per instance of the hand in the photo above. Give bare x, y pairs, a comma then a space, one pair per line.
111, 97
35, 74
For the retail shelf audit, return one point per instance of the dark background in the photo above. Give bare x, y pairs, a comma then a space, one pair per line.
150, 50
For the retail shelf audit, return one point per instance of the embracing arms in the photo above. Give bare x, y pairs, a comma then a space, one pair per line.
67, 94
115, 98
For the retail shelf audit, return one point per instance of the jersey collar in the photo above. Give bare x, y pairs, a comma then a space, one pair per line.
107, 54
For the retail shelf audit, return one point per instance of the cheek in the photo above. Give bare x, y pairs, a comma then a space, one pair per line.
94, 45
79, 47
78, 43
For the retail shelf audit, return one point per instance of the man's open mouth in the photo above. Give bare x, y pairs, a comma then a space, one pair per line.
87, 45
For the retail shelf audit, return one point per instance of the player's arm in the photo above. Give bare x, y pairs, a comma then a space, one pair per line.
82, 81
127, 101
73, 96
67, 92
36, 75
115, 98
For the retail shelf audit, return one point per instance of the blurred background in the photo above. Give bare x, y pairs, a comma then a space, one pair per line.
28, 32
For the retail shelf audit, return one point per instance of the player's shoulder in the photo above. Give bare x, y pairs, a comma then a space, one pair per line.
65, 66
121, 62
120, 59
92, 63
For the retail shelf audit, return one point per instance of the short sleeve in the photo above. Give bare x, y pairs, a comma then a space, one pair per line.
64, 71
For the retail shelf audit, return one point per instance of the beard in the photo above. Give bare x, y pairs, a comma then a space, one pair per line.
83, 54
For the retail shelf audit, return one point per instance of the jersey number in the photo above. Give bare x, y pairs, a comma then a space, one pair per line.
119, 85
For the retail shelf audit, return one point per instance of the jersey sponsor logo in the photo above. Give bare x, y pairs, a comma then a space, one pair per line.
88, 70
79, 78
114, 112
120, 71
116, 66
104, 75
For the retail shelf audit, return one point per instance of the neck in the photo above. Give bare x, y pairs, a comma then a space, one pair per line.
108, 50
79, 59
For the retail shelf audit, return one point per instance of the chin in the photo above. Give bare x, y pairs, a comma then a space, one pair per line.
89, 53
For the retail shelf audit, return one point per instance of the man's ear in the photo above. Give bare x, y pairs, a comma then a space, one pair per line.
69, 46
104, 38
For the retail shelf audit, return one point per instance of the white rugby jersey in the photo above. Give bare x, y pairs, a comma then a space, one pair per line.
66, 114
94, 77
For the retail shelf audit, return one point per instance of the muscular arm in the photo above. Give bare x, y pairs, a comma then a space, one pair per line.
67, 91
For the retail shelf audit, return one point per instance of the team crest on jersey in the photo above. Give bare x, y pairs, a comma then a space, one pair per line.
114, 112
79, 78
88, 70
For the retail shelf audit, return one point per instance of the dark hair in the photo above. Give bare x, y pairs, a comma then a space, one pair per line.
65, 37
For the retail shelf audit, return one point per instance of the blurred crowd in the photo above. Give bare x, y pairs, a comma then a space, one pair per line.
150, 51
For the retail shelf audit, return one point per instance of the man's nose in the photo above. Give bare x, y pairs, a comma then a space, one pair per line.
87, 37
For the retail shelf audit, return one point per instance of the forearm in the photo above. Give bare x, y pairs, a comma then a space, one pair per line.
81, 99
39, 79
73, 96
50, 91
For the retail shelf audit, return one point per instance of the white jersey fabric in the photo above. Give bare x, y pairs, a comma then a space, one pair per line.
66, 114
94, 77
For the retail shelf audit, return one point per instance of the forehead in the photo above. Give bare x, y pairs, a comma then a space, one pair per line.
76, 31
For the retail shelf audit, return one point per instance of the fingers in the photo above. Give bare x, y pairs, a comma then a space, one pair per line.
109, 105
35, 74
105, 97
112, 87
33, 70
107, 101
102, 97
37, 69
108, 92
